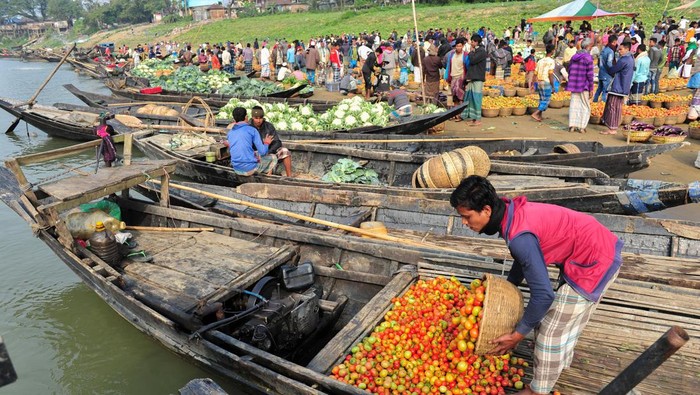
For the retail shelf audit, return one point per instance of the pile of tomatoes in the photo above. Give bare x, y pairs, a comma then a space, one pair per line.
425, 346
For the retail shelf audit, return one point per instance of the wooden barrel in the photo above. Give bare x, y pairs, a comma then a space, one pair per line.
444, 171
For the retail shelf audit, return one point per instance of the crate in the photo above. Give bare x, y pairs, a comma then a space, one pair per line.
152, 91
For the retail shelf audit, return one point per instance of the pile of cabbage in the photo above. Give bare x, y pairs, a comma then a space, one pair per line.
181, 79
149, 67
347, 114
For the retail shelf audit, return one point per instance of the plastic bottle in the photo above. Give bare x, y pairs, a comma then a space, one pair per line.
104, 245
82, 225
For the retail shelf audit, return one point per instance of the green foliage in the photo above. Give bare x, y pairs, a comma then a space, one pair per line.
64, 9
246, 87
248, 10
174, 18
349, 171
33, 9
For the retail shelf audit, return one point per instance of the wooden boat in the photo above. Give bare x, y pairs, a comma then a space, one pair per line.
195, 275
415, 125
429, 219
65, 124
615, 161
213, 100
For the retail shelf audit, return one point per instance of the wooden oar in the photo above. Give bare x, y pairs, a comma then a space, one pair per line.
304, 217
31, 101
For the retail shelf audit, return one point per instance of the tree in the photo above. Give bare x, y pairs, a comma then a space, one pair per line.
64, 9
32, 9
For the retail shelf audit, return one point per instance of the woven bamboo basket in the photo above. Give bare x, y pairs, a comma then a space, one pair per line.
680, 118
659, 121
638, 136
502, 310
671, 120
556, 104
413, 85
519, 111
567, 148
666, 139
672, 104
489, 112
531, 110
694, 133
444, 171
655, 104
505, 111
522, 92
594, 119
509, 92
648, 120
479, 157
626, 119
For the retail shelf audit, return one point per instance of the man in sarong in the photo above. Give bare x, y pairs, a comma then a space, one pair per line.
456, 65
545, 81
621, 72
580, 85
476, 75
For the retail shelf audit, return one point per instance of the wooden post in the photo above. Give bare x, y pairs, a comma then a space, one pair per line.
7, 371
165, 190
420, 60
128, 140
646, 363
58, 66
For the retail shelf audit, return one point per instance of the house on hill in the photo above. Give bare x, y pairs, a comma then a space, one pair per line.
203, 10
282, 5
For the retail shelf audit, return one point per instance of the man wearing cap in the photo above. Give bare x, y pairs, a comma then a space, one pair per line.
266, 129
283, 72
243, 140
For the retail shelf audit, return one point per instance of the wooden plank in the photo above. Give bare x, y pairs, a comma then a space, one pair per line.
83, 189
367, 318
245, 280
164, 190
170, 279
202, 387
14, 166
61, 152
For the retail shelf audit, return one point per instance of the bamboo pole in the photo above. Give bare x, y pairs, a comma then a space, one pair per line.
432, 140
420, 60
162, 229
31, 101
306, 218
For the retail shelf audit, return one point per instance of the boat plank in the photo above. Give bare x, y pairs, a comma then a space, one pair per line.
108, 178
367, 318
172, 280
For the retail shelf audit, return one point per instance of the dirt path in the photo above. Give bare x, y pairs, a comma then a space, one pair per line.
675, 166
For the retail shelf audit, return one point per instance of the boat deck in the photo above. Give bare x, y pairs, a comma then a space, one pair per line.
194, 148
194, 269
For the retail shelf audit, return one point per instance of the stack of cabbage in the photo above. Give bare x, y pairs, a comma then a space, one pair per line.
149, 67
182, 79
348, 114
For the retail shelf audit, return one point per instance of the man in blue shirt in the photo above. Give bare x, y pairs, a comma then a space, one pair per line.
242, 138
605, 62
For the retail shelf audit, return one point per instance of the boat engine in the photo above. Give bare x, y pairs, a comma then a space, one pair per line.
284, 321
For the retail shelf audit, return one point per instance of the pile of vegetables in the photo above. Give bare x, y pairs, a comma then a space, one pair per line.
247, 87
638, 126
349, 171
149, 68
669, 131
347, 114
191, 79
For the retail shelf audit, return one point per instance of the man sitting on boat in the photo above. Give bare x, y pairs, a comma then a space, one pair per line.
267, 129
402, 104
539, 235
241, 140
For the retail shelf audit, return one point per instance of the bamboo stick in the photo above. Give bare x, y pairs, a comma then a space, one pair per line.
432, 140
162, 229
184, 128
306, 218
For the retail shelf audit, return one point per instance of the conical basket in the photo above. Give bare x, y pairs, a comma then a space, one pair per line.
502, 310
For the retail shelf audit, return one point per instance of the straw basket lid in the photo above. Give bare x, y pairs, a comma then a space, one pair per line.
567, 148
502, 310
480, 159
444, 171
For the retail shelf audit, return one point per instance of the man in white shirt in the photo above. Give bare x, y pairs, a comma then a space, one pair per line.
226, 60
264, 61
683, 24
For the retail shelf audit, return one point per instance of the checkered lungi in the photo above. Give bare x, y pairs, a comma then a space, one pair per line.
612, 114
248, 66
473, 96
557, 335
336, 73
579, 109
282, 153
636, 93
266, 164
265, 71
544, 89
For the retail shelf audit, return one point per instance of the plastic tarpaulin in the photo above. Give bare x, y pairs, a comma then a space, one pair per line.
577, 10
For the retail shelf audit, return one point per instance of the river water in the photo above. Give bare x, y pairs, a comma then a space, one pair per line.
62, 338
